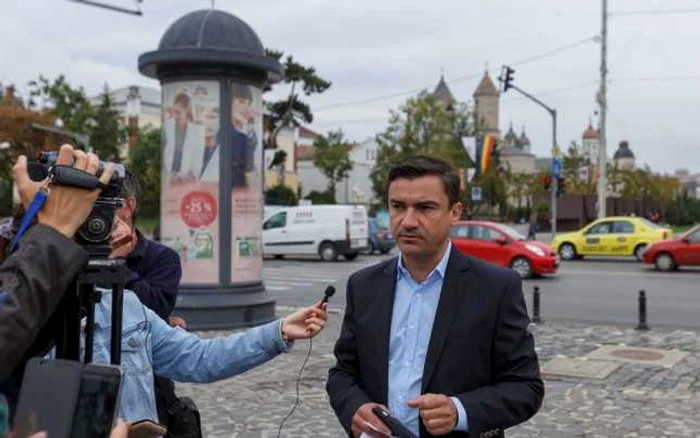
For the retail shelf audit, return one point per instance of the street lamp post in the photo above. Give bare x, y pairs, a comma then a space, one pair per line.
556, 154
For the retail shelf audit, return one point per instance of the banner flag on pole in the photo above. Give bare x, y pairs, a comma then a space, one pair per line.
484, 149
469, 144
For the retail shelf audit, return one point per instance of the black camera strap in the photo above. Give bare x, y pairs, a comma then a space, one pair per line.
70, 176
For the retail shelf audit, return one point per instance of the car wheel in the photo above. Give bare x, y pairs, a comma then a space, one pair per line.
664, 262
522, 266
386, 251
328, 252
639, 252
371, 248
350, 256
567, 251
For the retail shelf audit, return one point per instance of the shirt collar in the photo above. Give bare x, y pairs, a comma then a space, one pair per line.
438, 270
141, 244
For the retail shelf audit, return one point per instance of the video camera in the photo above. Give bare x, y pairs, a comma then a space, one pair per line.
95, 233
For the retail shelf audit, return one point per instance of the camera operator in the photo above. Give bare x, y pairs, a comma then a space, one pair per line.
154, 276
154, 269
33, 278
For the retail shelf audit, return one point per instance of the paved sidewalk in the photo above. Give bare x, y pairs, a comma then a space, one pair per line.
645, 396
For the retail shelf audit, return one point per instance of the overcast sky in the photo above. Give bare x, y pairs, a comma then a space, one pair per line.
375, 48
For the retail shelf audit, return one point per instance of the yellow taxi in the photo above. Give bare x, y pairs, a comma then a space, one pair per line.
611, 236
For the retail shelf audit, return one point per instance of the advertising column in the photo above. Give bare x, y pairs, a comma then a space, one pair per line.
190, 177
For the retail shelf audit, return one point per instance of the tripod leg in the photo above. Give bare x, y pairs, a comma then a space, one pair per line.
87, 296
68, 340
117, 303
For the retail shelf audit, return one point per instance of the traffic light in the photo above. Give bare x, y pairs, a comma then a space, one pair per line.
547, 182
561, 187
508, 78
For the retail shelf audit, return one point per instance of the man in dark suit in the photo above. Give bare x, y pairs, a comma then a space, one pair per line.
438, 337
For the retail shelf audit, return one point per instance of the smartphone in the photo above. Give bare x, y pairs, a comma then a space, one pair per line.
48, 397
146, 429
98, 398
397, 429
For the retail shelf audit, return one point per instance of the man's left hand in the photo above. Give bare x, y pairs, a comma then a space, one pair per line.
122, 239
305, 323
438, 412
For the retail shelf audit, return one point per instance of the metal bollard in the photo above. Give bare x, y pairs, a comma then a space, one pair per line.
642, 312
536, 306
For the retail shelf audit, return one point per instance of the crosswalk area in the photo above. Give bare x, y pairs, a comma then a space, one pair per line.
288, 275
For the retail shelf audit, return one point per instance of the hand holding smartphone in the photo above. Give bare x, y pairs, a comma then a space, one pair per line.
397, 429
146, 429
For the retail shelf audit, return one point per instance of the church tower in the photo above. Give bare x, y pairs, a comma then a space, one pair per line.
486, 102
443, 94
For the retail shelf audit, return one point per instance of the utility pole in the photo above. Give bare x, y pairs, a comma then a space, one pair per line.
603, 103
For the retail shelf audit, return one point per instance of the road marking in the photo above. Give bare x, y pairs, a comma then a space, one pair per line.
648, 274
273, 287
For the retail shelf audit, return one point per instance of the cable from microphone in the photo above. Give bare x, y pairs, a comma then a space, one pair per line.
327, 294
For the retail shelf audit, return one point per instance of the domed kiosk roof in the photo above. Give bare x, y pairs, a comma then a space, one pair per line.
210, 36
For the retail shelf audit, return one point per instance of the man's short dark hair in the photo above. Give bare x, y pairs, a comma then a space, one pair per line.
131, 187
420, 166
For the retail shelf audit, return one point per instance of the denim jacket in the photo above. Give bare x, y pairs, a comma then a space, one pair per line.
150, 345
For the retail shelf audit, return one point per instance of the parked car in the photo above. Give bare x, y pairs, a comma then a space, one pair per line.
324, 230
611, 236
670, 254
502, 245
380, 238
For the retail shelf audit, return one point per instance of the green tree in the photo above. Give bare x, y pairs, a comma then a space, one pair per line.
293, 111
61, 100
145, 163
321, 198
331, 157
421, 126
108, 133
572, 164
280, 195
101, 123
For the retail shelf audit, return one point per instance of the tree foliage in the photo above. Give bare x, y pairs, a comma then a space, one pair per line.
101, 123
280, 195
421, 126
331, 157
292, 110
145, 163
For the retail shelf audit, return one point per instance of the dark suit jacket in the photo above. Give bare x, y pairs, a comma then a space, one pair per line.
480, 349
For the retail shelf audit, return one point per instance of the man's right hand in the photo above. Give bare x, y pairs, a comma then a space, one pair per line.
66, 207
364, 421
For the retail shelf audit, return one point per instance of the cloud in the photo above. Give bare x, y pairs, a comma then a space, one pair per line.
370, 48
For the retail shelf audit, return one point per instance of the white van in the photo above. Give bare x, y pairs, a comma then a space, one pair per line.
324, 230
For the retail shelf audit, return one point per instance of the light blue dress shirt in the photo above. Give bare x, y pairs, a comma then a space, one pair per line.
412, 320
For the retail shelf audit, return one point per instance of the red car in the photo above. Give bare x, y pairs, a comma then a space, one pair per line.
668, 255
502, 245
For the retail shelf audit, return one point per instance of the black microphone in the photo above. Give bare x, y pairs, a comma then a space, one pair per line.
330, 290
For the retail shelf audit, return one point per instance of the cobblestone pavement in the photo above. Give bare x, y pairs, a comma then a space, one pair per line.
636, 400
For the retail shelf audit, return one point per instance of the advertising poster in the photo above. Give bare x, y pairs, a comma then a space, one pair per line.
247, 181
190, 179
